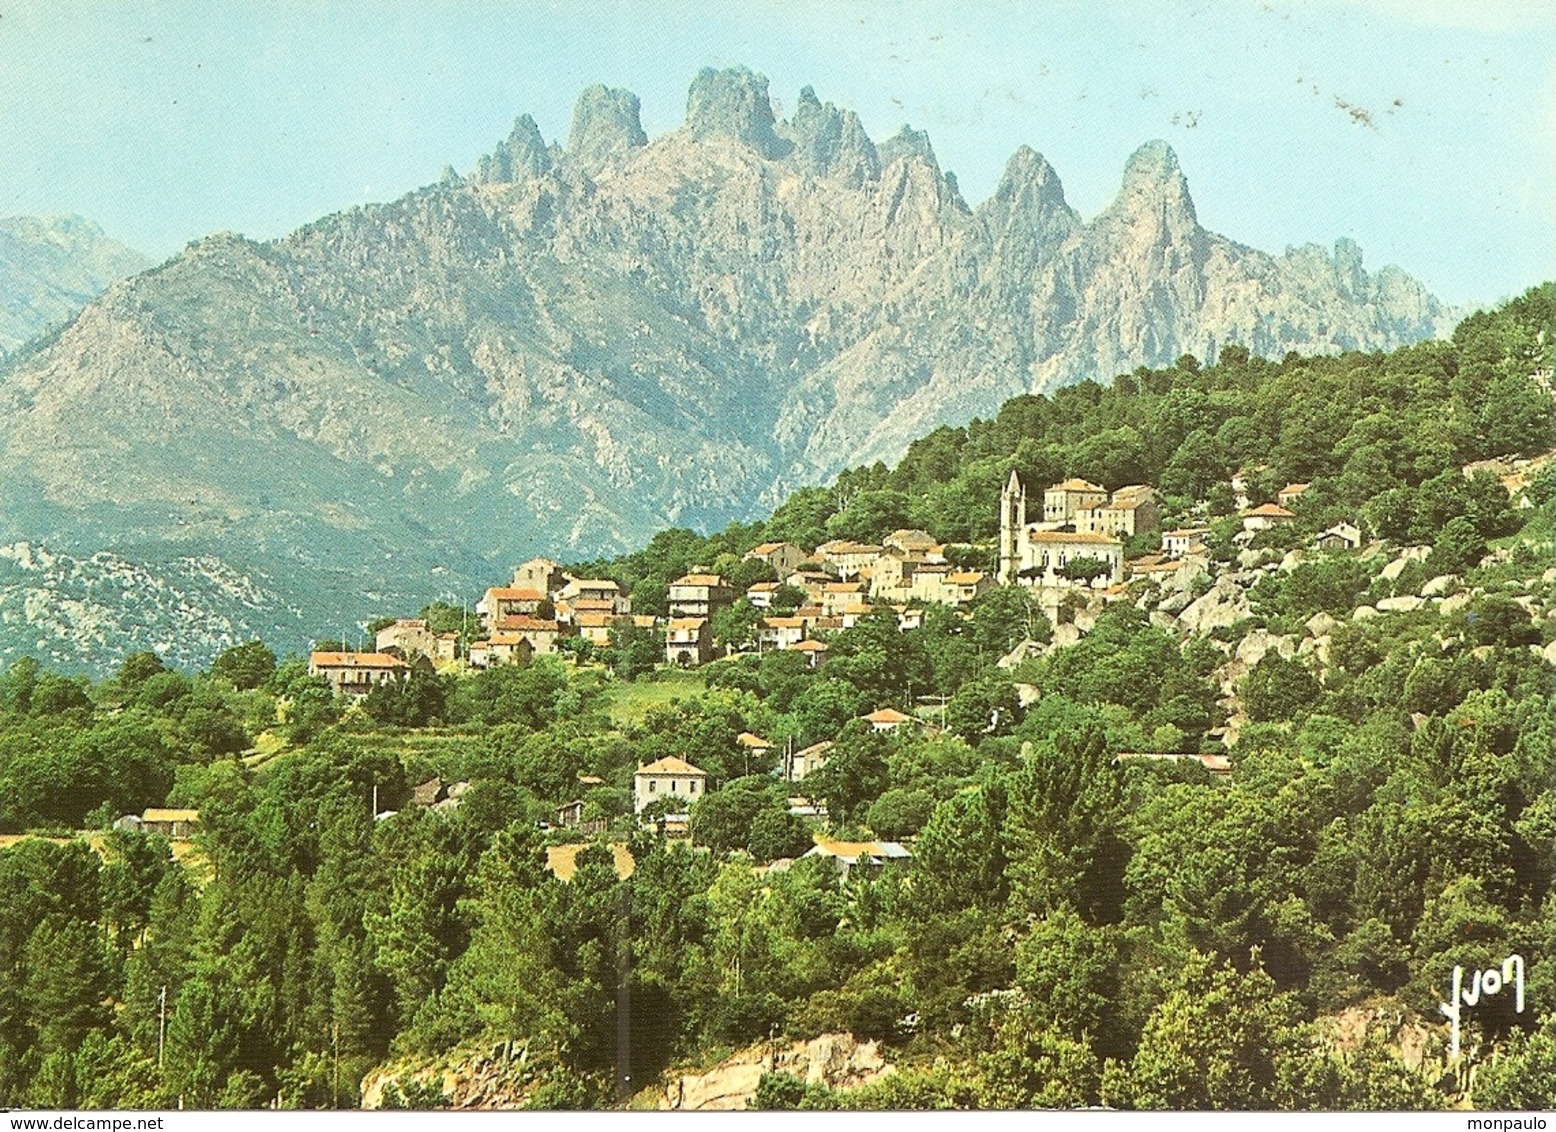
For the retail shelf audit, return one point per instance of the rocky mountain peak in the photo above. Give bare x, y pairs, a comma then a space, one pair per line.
907, 142
831, 142
606, 128
523, 156
734, 103
1030, 185
1155, 191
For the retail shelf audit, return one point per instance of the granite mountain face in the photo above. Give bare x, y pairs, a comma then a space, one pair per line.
51, 267
576, 345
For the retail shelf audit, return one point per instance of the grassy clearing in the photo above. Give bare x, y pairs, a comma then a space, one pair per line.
628, 704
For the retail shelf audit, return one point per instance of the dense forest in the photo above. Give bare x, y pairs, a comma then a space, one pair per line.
1071, 930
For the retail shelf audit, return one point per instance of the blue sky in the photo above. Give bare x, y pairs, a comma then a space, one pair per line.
1423, 129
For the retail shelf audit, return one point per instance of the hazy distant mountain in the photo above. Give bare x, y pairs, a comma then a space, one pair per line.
51, 267
574, 346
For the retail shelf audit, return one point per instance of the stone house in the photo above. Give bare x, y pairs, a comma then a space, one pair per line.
408, 636
445, 646
838, 596
501, 648
1132, 510
913, 543
1063, 500
950, 586
783, 557
539, 574
848, 558
541, 634
508, 601
688, 642
1289, 494
668, 778
891, 579
700, 595
357, 673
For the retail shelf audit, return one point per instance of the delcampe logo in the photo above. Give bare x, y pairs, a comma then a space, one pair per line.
1483, 983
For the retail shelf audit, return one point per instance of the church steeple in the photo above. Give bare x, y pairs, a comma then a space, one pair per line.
1013, 522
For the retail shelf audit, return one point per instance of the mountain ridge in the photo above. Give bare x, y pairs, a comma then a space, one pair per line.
573, 347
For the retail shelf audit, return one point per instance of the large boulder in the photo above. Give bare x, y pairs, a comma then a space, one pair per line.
1440, 585
1320, 624
839, 1061
1405, 604
1224, 604
1256, 645
1454, 602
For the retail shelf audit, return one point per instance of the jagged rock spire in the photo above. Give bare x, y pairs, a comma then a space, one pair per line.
606, 128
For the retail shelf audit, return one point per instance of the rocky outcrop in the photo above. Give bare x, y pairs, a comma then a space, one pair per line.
522, 157
839, 1061
606, 129
734, 103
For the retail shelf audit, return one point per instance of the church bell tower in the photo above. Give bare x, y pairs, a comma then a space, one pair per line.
1013, 523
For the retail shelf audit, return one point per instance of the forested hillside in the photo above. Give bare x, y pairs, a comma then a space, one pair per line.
1071, 929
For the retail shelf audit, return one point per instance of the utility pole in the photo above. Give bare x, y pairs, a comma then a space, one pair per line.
161, 1023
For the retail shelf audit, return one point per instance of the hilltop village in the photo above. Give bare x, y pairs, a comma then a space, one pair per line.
1075, 551
1071, 564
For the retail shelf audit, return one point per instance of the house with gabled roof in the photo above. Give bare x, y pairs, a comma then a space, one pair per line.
508, 601
761, 594
1265, 516
688, 642
604, 593
406, 636
1177, 543
540, 574
887, 719
815, 652
175, 824
783, 557
1342, 536
540, 633
847, 557
780, 632
357, 673
913, 543
500, 647
669, 777
1289, 494
1064, 499
1132, 510
837, 596
798, 764
700, 595
849, 855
